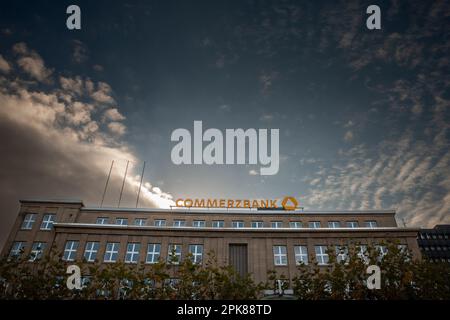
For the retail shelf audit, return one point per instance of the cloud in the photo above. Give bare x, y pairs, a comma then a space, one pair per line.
5, 67
117, 128
98, 67
32, 63
103, 93
53, 147
80, 52
348, 136
113, 114
253, 172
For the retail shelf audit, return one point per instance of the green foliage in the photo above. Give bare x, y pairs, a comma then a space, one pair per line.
401, 277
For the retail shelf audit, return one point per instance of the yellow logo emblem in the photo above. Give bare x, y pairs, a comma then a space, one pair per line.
293, 203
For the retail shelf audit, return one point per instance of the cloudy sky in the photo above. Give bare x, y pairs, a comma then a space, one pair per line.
364, 116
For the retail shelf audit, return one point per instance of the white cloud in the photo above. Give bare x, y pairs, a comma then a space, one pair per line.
4, 65
117, 128
32, 63
253, 172
113, 114
348, 136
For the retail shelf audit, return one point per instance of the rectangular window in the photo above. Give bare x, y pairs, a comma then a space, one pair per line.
371, 224
102, 220
132, 255
363, 254
160, 223
276, 224
70, 250
90, 251
295, 224
198, 223
352, 224
17, 249
280, 255
122, 221
179, 223
341, 254
257, 224
47, 222
218, 224
196, 251
140, 222
301, 255
153, 252
334, 224
37, 250
237, 224
28, 221
174, 254
314, 224
382, 251
321, 255
111, 252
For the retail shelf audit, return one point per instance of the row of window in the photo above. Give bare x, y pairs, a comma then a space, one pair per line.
49, 219
427, 236
436, 248
235, 223
112, 251
46, 224
174, 254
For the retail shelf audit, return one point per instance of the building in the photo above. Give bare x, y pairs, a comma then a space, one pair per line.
435, 243
251, 240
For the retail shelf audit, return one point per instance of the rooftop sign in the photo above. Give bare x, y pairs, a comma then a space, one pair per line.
287, 203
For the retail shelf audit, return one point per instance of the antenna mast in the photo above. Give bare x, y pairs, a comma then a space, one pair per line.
106, 185
140, 185
123, 184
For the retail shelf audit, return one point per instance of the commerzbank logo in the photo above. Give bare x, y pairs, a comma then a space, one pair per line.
287, 203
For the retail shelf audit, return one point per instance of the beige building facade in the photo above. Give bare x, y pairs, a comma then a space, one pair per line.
253, 241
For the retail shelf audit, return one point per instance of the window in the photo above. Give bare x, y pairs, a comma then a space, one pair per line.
47, 222
174, 254
111, 252
160, 223
352, 224
314, 224
90, 251
102, 220
36, 251
140, 222
301, 255
276, 224
70, 250
132, 255
17, 248
321, 255
179, 223
342, 254
196, 250
280, 255
198, 223
153, 252
334, 224
257, 224
382, 251
122, 221
371, 224
362, 253
237, 224
295, 224
218, 224
28, 222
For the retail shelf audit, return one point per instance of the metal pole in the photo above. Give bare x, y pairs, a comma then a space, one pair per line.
123, 184
140, 185
106, 185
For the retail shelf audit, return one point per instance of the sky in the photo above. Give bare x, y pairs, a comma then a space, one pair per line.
363, 115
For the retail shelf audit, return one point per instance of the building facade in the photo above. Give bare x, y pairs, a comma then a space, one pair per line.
253, 241
435, 243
